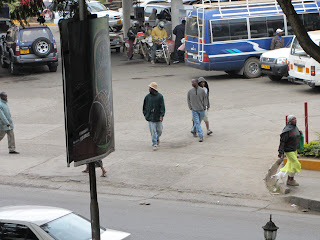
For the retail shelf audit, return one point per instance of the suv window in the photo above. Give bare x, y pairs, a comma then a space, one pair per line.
10, 231
28, 35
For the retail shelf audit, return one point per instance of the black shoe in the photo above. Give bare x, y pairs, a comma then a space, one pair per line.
200, 139
14, 152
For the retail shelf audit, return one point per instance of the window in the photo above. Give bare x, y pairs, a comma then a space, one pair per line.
258, 27
297, 49
273, 23
311, 21
232, 29
12, 231
192, 27
68, 227
29, 35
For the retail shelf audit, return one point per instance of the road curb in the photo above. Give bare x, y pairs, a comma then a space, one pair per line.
310, 164
309, 204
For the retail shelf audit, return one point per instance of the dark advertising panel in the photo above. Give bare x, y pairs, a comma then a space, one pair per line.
87, 90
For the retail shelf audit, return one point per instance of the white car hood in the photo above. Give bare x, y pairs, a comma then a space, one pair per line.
277, 53
109, 12
114, 235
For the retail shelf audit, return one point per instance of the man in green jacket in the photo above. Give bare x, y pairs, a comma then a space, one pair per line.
6, 124
153, 111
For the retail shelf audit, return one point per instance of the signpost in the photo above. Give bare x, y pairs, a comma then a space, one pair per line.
87, 85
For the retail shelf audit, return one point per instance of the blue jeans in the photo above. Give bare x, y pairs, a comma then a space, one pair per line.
197, 117
156, 131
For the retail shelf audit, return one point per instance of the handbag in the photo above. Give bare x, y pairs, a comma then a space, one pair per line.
301, 142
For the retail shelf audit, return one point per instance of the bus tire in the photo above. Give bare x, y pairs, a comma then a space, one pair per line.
274, 78
252, 68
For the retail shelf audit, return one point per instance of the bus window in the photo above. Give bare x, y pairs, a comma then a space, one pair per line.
192, 27
238, 29
273, 23
311, 21
258, 27
220, 30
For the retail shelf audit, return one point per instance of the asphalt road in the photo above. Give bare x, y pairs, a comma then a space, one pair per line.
164, 220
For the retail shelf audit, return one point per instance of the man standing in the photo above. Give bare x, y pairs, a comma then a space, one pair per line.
179, 31
197, 102
158, 33
6, 125
153, 111
277, 40
132, 34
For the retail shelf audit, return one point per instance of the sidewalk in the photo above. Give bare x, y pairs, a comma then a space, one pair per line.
229, 167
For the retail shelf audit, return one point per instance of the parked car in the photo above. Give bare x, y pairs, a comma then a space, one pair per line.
115, 40
95, 7
274, 63
49, 223
144, 3
28, 46
302, 67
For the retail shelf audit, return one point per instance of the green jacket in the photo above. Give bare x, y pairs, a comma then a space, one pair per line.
153, 107
5, 116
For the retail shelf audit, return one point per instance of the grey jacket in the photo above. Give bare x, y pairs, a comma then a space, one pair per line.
5, 116
277, 43
197, 99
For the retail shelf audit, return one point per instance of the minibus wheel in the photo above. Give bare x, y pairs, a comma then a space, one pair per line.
251, 68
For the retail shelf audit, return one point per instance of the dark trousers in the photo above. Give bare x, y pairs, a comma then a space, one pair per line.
178, 55
130, 49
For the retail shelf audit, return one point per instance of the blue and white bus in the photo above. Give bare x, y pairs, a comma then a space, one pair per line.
231, 36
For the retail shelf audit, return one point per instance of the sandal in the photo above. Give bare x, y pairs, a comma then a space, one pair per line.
104, 174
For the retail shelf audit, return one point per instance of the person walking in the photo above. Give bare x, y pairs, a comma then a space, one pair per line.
277, 40
179, 31
289, 143
203, 83
157, 34
97, 164
197, 102
6, 124
154, 111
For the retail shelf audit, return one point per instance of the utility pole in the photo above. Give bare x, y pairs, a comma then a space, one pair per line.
126, 8
176, 5
94, 207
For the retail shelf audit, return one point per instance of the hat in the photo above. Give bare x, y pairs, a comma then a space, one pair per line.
201, 79
154, 86
279, 30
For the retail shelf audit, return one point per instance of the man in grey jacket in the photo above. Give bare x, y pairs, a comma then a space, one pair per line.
197, 102
277, 40
6, 125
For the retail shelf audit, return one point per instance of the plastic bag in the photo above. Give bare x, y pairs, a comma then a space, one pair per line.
301, 142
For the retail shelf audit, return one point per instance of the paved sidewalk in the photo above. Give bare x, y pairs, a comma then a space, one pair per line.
227, 168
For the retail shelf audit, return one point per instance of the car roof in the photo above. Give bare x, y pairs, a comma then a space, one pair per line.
38, 215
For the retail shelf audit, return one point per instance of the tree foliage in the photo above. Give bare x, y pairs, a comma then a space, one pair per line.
299, 30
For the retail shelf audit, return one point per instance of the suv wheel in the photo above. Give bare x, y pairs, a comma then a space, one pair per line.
13, 68
52, 68
41, 47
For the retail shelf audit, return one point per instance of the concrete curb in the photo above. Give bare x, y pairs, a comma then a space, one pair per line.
309, 204
308, 163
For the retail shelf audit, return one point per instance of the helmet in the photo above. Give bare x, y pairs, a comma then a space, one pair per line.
161, 24
135, 24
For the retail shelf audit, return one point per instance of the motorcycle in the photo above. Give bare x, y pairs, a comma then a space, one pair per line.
138, 45
163, 53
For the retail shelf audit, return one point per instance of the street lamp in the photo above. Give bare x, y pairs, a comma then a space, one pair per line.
270, 230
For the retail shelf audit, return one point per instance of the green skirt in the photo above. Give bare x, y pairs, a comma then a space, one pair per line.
292, 165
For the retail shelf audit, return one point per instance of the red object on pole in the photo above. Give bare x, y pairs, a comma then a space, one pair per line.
306, 121
286, 119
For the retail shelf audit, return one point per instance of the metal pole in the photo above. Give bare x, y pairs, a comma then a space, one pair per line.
94, 208
82, 10
126, 8
176, 5
306, 121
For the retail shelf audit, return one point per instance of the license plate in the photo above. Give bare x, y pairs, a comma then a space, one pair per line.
24, 51
265, 66
119, 21
300, 69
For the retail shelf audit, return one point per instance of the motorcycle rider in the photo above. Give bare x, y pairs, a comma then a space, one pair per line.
132, 34
157, 34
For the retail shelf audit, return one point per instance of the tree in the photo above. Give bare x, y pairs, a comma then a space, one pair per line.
305, 42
